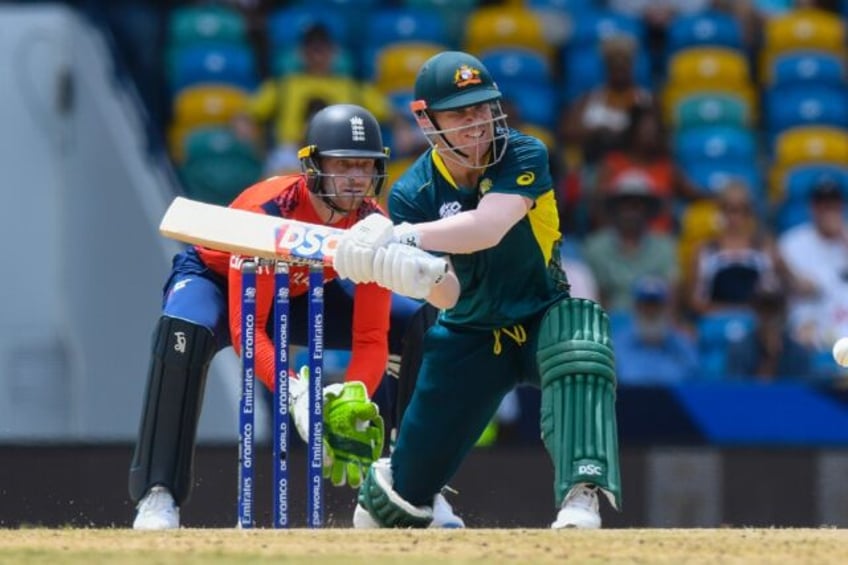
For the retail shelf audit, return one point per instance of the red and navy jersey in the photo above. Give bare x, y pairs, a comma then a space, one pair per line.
289, 197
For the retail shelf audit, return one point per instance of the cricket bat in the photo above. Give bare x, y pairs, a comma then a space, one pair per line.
251, 234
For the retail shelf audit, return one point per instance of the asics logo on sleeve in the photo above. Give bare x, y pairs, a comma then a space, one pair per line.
525, 178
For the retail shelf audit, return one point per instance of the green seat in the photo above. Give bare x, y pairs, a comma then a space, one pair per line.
195, 24
712, 109
288, 60
218, 165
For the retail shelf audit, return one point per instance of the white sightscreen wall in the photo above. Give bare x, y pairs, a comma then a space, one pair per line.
83, 263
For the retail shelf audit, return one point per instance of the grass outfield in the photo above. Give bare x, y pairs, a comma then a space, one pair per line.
721, 546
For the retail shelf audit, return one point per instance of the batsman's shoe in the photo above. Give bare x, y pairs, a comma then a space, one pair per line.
579, 509
362, 520
443, 514
157, 511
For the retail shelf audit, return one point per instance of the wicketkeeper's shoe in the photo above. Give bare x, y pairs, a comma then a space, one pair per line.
157, 511
579, 509
443, 514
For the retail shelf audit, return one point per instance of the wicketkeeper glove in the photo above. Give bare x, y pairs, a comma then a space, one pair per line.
353, 428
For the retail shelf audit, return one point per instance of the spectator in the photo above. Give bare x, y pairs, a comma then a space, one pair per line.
817, 253
651, 350
596, 122
626, 249
725, 269
290, 101
645, 150
770, 352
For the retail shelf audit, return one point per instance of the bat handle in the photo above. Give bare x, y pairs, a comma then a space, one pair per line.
436, 269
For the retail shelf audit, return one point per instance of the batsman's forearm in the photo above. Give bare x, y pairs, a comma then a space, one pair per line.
462, 233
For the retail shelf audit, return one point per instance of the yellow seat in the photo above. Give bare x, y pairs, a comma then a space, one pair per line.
707, 66
699, 222
398, 63
495, 27
208, 105
811, 144
802, 146
805, 28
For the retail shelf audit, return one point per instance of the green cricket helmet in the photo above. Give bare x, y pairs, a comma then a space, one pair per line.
342, 131
453, 80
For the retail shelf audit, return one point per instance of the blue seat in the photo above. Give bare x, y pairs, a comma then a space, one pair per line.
392, 26
593, 26
229, 64
714, 176
515, 64
569, 6
716, 331
196, 24
797, 183
583, 69
702, 29
714, 143
817, 67
804, 105
286, 25
536, 105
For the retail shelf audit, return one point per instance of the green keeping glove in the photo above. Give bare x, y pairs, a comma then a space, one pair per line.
353, 433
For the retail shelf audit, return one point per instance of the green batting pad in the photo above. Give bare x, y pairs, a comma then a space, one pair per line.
577, 369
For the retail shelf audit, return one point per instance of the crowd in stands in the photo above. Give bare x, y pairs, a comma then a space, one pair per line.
699, 147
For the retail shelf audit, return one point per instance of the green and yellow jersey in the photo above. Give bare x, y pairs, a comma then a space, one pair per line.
519, 277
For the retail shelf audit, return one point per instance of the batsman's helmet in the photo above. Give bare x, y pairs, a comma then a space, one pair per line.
452, 80
343, 131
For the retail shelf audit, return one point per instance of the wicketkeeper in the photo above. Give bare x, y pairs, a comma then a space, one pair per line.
343, 164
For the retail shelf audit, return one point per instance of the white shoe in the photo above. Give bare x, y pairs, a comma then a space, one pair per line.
157, 511
362, 519
443, 514
579, 509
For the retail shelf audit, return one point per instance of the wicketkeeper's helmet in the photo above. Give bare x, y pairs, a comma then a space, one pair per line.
452, 80
344, 131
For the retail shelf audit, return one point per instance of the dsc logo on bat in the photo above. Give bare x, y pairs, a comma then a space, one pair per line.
306, 241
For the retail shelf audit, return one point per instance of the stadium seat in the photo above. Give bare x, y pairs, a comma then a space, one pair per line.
233, 65
718, 144
711, 109
218, 166
453, 14
591, 27
672, 96
495, 27
397, 64
287, 59
536, 105
208, 104
793, 203
397, 26
805, 67
190, 25
802, 29
708, 28
716, 331
797, 105
286, 25
708, 66
517, 64
583, 69
713, 176
811, 144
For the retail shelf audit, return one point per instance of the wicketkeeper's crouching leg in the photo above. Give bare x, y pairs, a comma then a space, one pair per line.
577, 370
162, 464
